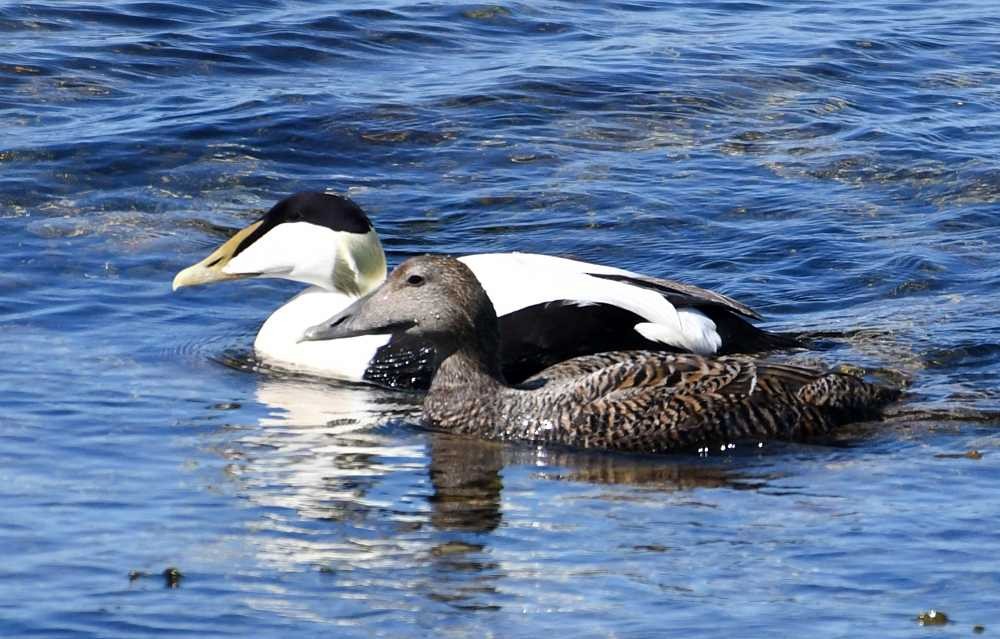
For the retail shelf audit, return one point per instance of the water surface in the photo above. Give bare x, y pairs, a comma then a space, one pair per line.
833, 165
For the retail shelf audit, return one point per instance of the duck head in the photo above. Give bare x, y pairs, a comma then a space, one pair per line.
432, 297
316, 238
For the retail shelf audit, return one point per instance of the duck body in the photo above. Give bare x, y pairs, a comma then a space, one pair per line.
655, 402
647, 401
550, 308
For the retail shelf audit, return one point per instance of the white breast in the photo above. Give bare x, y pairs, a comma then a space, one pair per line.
277, 342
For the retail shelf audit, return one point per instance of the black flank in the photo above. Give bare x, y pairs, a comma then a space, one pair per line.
404, 363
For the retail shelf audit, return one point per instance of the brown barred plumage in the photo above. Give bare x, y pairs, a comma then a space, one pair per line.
627, 400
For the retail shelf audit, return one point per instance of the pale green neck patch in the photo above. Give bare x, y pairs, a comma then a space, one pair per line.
360, 264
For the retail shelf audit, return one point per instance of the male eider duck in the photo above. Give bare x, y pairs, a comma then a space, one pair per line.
550, 308
628, 400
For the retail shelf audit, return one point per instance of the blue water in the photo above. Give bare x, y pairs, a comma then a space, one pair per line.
834, 165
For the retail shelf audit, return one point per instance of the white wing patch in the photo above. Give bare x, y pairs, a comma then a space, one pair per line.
699, 332
518, 280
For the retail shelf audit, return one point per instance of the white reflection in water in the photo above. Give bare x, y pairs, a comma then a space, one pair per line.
307, 403
361, 503
386, 512
315, 457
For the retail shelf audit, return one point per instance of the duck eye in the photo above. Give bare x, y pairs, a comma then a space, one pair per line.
415, 280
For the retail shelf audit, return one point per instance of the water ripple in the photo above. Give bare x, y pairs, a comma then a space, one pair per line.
829, 164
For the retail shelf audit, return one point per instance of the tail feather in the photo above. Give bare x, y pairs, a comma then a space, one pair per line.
841, 396
854, 396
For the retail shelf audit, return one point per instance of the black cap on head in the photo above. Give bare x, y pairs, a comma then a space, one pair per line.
323, 209
335, 212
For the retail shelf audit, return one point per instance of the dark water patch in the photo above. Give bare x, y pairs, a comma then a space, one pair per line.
177, 10
177, 47
16, 70
970, 355
10, 21
331, 24
487, 13
373, 14
285, 54
89, 15
977, 186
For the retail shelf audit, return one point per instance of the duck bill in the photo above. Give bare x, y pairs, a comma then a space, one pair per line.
363, 317
211, 269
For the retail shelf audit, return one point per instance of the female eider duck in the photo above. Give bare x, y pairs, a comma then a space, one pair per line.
550, 308
628, 400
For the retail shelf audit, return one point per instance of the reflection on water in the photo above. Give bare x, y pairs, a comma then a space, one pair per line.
466, 477
318, 435
306, 403
321, 450
347, 486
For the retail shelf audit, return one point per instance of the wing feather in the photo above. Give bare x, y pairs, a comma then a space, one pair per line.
515, 281
681, 294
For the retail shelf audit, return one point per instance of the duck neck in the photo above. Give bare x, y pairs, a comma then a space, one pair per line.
359, 266
466, 368
466, 389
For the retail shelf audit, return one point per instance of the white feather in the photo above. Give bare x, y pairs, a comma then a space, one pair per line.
515, 281
297, 251
277, 342
700, 334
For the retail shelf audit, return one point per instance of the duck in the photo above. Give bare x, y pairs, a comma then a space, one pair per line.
551, 308
641, 401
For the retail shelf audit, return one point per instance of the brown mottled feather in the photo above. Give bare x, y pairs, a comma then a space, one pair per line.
654, 402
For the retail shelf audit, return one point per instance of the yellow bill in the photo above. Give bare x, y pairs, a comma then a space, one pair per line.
211, 268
